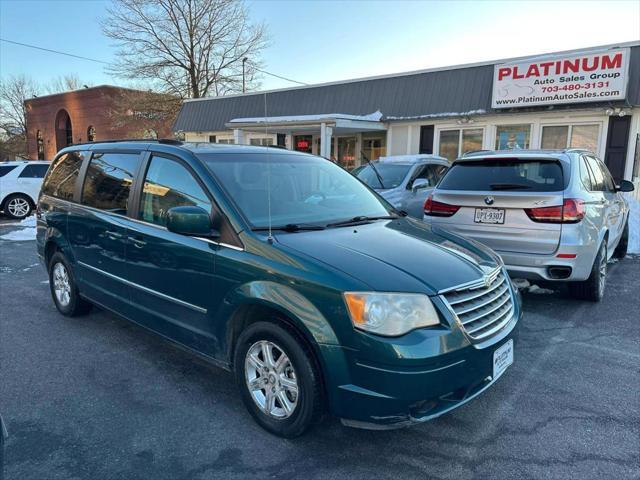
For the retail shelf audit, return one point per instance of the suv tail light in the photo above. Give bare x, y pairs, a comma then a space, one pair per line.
571, 211
439, 209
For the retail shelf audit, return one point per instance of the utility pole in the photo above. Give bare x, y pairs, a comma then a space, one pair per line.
244, 60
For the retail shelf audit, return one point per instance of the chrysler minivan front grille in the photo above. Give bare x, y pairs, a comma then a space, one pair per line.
482, 309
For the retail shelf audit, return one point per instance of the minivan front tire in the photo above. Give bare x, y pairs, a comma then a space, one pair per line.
592, 288
278, 379
64, 289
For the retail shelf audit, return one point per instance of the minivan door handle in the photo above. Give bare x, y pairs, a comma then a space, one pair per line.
137, 242
113, 235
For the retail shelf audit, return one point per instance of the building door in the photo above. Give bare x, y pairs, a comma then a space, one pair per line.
426, 139
64, 130
617, 142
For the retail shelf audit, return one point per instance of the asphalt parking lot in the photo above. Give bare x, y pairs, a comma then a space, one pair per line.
99, 398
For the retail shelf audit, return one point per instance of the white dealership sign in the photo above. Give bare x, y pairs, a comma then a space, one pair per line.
587, 77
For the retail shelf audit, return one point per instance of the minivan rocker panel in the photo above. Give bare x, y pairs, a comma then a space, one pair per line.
242, 288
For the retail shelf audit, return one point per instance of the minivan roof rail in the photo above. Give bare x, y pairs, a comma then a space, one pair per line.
165, 141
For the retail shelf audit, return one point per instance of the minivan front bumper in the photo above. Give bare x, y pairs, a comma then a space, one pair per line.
384, 397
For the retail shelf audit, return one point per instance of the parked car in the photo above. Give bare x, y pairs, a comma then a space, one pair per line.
554, 215
315, 293
20, 184
404, 180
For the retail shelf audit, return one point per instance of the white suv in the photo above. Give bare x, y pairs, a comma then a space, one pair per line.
20, 184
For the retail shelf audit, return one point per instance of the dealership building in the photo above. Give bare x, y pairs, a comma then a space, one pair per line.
588, 98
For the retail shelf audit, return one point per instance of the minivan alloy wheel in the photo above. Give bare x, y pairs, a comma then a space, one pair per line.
18, 207
271, 379
61, 284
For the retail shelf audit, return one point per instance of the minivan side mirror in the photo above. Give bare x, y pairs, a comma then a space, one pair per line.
625, 186
419, 183
192, 221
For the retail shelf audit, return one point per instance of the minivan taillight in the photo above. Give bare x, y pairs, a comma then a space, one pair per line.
439, 209
571, 211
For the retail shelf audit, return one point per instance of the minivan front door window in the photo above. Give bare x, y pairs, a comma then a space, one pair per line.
168, 184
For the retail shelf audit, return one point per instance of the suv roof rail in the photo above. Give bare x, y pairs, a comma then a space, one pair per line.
474, 152
578, 150
165, 141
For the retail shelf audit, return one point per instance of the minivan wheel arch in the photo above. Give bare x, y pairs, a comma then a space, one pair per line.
248, 314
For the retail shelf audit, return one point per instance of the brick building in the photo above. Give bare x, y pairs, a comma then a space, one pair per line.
90, 114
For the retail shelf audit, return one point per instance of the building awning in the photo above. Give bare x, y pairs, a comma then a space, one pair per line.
340, 123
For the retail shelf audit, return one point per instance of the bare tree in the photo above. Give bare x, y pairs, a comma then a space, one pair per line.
14, 90
65, 83
189, 48
144, 113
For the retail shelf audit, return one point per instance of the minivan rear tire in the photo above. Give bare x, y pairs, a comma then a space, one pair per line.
309, 406
61, 278
592, 288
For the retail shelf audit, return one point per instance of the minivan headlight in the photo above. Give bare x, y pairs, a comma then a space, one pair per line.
390, 314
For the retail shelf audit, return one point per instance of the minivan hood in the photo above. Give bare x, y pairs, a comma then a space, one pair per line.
402, 255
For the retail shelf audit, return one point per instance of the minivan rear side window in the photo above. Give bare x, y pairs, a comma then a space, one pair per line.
61, 180
38, 170
504, 174
4, 169
108, 181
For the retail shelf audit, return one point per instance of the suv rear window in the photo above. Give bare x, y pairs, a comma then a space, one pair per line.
61, 180
505, 175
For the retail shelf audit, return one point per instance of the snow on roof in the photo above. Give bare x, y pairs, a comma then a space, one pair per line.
372, 117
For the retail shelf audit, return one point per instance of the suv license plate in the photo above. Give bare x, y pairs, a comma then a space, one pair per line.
502, 358
489, 215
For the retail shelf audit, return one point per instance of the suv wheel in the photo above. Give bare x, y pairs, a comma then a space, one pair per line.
18, 206
593, 287
279, 381
621, 249
64, 289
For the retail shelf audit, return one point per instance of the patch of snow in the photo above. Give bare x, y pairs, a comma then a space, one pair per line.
521, 283
613, 260
634, 222
24, 234
27, 222
479, 111
372, 117
538, 290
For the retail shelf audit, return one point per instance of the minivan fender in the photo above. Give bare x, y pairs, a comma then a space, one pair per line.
55, 240
291, 304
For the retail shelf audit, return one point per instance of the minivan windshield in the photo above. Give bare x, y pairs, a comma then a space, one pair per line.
392, 175
504, 174
304, 190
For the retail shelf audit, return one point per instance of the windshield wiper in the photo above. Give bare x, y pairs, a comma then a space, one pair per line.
290, 227
508, 186
361, 219
373, 167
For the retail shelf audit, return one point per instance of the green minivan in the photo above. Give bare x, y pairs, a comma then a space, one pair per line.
284, 269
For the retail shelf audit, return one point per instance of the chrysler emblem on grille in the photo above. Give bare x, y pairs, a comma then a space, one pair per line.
488, 200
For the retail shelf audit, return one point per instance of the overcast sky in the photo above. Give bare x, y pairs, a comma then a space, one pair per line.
320, 41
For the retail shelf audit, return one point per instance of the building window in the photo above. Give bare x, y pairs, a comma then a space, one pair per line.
512, 137
226, 141
261, 141
40, 145
454, 143
374, 146
91, 134
212, 139
571, 136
